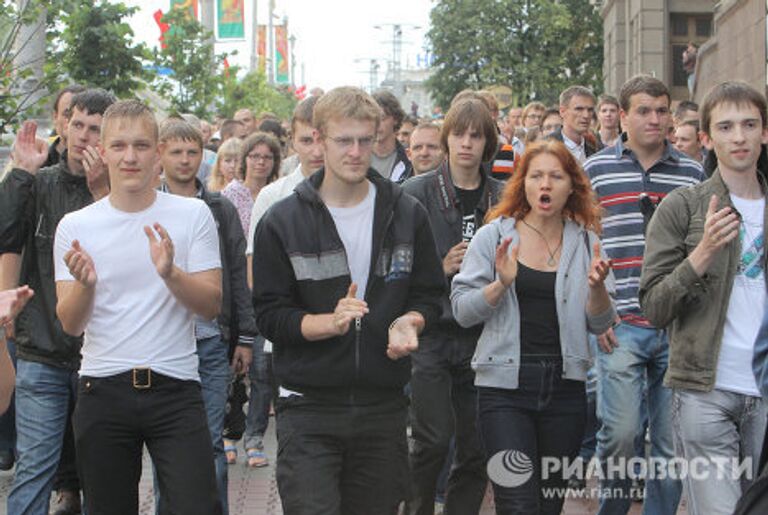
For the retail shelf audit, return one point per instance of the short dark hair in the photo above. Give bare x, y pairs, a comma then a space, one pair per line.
72, 88
180, 129
693, 123
303, 112
262, 138
607, 99
227, 129
411, 119
471, 113
390, 105
651, 86
93, 101
682, 107
731, 92
575, 91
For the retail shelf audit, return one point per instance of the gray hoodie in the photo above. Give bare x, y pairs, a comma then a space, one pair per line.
497, 357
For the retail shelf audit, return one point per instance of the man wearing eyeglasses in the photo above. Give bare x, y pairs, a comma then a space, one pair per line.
346, 277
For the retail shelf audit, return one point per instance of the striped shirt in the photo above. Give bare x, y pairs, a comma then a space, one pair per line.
619, 180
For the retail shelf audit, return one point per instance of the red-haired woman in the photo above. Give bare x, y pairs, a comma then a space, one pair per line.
535, 277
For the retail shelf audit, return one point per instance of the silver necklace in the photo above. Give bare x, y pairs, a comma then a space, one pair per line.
551, 261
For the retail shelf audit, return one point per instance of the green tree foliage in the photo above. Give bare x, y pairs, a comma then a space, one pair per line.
189, 52
537, 47
253, 92
98, 49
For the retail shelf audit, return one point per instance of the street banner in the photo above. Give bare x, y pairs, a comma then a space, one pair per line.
261, 47
282, 71
230, 19
189, 5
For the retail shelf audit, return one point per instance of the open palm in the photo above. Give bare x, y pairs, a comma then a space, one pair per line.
506, 262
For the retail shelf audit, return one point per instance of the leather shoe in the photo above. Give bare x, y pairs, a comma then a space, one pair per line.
67, 503
7, 459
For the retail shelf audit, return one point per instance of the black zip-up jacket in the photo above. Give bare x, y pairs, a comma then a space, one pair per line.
31, 207
402, 157
300, 267
236, 320
436, 192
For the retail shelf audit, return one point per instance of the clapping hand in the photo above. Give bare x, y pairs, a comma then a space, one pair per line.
160, 250
348, 309
80, 265
29, 152
599, 268
506, 262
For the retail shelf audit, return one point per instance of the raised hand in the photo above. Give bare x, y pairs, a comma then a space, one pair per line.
403, 338
12, 302
95, 173
160, 250
80, 265
720, 226
29, 152
348, 309
452, 260
599, 268
506, 262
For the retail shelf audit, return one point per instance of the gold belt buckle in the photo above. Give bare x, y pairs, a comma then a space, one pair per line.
140, 384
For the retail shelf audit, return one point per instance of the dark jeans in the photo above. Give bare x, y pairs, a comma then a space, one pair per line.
335, 459
113, 421
444, 403
544, 417
66, 475
8, 419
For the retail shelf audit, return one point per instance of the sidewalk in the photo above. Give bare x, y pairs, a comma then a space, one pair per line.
254, 491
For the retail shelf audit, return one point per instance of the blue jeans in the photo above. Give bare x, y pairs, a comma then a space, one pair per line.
261, 396
642, 356
213, 368
43, 395
8, 419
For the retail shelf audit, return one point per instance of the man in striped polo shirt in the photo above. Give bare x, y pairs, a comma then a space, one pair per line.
630, 179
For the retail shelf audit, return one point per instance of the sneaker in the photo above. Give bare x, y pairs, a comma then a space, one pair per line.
7, 459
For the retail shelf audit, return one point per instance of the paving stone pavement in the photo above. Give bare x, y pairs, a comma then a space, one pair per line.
254, 491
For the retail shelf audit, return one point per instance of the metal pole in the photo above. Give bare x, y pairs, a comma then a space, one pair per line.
271, 46
254, 37
292, 41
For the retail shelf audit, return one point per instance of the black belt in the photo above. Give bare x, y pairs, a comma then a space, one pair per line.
140, 378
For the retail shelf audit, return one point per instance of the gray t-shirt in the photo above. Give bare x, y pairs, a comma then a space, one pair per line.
384, 165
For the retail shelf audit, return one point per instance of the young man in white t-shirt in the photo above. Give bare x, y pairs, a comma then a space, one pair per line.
346, 276
704, 278
132, 271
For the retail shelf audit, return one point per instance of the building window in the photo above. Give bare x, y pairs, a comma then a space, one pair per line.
696, 28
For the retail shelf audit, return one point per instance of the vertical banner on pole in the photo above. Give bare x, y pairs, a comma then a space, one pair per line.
282, 73
261, 48
230, 19
189, 5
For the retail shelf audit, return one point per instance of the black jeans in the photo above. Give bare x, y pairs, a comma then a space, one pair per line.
113, 420
334, 459
544, 417
444, 403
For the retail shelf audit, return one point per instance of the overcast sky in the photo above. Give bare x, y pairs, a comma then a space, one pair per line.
330, 35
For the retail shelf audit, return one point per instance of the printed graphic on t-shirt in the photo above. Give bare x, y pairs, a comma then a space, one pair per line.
751, 264
468, 227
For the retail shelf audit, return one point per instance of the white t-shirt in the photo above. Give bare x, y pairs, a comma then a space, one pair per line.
136, 320
267, 197
745, 307
355, 227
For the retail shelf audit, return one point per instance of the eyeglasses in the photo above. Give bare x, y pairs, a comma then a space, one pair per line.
260, 157
347, 142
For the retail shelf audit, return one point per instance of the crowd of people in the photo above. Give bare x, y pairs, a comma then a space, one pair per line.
542, 300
